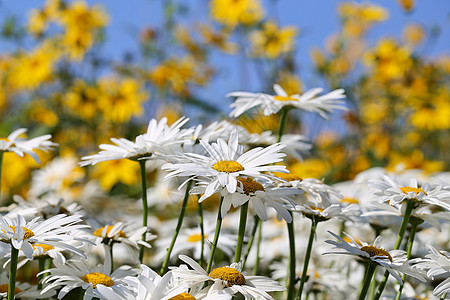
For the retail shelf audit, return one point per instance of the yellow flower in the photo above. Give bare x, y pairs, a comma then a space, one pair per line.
234, 12
407, 5
120, 100
273, 41
359, 17
311, 168
81, 100
40, 113
414, 160
40, 18
218, 39
433, 117
413, 34
112, 172
290, 83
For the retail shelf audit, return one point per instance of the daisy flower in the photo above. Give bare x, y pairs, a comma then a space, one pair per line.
324, 213
56, 231
76, 273
159, 135
20, 146
392, 191
271, 104
23, 290
437, 264
393, 261
228, 279
225, 162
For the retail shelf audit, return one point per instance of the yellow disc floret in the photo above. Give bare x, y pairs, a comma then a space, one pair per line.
43, 246
408, 189
98, 232
28, 233
97, 278
284, 98
374, 251
250, 186
228, 166
196, 238
183, 296
229, 275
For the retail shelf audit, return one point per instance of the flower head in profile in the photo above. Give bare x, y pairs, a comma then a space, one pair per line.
159, 136
228, 279
13, 143
271, 104
224, 162
393, 261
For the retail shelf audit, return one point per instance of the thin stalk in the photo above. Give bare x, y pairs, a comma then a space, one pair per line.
367, 279
12, 273
443, 296
112, 257
401, 233
283, 118
216, 238
144, 206
412, 234
292, 260
258, 247
41, 269
1, 163
241, 232
307, 257
202, 231
165, 264
256, 223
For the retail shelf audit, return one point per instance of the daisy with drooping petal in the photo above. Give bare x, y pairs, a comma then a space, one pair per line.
309, 101
20, 146
228, 278
225, 162
437, 265
393, 261
159, 135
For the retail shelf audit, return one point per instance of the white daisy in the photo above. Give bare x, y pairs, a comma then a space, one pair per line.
309, 101
159, 135
23, 290
393, 261
392, 191
325, 212
76, 273
20, 146
225, 162
437, 264
228, 279
56, 231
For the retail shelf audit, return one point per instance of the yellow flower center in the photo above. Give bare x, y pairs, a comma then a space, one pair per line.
316, 208
348, 240
43, 246
97, 278
183, 296
349, 200
28, 233
4, 289
284, 98
407, 189
230, 275
228, 166
288, 176
196, 238
374, 251
98, 232
250, 186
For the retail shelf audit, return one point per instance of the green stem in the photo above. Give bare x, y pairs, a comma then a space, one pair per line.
292, 260
112, 257
307, 257
412, 234
12, 273
216, 238
283, 118
256, 223
165, 264
41, 269
1, 163
443, 296
258, 247
144, 206
401, 233
367, 279
241, 233
202, 231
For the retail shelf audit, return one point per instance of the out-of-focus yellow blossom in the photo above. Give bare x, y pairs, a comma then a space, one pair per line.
40, 18
359, 17
3, 99
413, 34
414, 160
111, 172
433, 117
40, 113
234, 12
388, 60
81, 100
377, 143
407, 5
171, 111
184, 37
81, 23
272, 41
374, 112
120, 100
176, 74
311, 168
258, 122
218, 39
290, 83
31, 69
